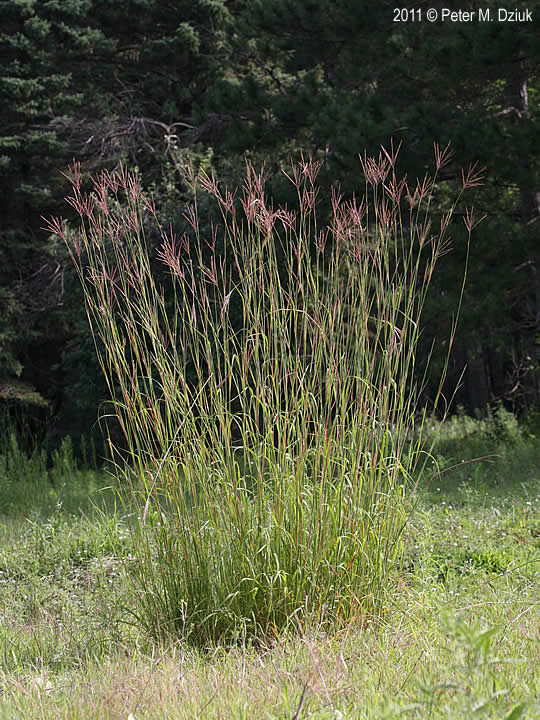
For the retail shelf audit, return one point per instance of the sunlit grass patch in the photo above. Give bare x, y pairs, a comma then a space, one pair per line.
457, 644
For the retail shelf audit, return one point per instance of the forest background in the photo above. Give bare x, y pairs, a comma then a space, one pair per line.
160, 85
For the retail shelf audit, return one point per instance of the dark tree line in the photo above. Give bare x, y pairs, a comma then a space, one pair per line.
158, 84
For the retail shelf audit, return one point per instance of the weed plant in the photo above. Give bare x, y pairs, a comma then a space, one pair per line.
36, 482
480, 454
268, 454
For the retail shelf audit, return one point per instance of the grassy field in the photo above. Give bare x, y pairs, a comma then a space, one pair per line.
459, 636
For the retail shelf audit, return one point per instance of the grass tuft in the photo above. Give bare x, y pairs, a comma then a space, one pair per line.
267, 400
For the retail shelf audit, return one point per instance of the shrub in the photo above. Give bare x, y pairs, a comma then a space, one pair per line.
267, 457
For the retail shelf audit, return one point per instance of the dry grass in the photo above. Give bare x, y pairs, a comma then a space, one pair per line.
368, 673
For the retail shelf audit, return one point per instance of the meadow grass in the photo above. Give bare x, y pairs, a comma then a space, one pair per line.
458, 639
268, 397
33, 479
270, 558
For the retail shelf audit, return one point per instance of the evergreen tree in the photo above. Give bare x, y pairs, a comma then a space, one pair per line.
338, 78
102, 82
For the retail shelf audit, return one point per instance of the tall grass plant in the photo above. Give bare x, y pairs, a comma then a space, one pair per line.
267, 401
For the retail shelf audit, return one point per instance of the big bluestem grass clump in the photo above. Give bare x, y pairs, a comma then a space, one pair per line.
267, 400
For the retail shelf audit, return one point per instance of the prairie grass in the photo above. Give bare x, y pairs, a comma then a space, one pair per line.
459, 637
267, 399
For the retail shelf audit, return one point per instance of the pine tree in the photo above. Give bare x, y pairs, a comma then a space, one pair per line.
338, 78
101, 82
